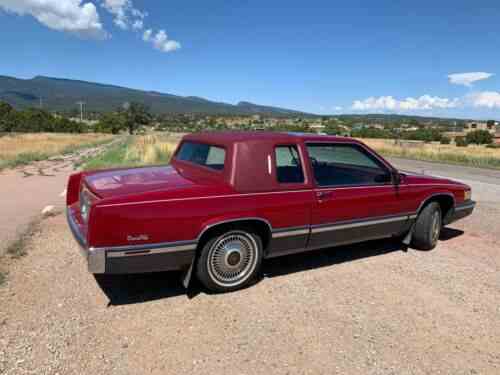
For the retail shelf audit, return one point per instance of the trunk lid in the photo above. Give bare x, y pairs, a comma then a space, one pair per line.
120, 182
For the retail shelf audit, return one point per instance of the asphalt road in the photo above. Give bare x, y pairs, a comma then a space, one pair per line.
371, 308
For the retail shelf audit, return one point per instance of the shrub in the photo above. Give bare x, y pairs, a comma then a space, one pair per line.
479, 137
445, 140
461, 142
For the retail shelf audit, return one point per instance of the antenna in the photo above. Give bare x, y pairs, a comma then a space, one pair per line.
81, 104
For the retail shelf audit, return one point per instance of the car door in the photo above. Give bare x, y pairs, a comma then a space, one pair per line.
356, 198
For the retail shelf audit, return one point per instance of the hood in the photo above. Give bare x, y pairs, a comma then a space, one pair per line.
119, 182
424, 179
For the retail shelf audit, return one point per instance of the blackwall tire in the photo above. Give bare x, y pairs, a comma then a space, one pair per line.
427, 227
230, 261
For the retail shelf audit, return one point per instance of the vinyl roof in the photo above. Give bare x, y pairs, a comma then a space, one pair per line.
227, 137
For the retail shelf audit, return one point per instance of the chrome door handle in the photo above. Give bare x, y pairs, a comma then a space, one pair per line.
322, 195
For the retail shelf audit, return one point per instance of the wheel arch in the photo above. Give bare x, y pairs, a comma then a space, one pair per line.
446, 201
262, 227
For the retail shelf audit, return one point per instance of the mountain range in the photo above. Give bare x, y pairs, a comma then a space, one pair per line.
57, 94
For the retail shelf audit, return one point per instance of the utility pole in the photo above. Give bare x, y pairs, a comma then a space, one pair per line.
41, 102
81, 109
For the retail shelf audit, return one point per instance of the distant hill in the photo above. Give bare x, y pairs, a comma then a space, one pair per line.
62, 94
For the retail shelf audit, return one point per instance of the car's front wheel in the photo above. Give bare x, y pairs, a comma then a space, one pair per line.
427, 227
230, 261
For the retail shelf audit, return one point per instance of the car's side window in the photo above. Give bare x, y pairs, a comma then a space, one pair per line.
288, 167
337, 164
206, 155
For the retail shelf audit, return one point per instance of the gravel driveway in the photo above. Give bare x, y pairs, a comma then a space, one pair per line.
364, 309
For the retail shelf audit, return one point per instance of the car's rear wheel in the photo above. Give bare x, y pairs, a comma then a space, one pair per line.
230, 261
428, 227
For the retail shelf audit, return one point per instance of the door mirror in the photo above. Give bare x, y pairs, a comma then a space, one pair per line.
397, 178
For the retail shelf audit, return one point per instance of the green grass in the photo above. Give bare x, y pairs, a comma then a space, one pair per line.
3, 278
114, 156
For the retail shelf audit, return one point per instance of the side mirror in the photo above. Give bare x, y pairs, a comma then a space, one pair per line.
397, 178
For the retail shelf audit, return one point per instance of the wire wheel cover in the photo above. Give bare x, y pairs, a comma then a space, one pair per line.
232, 258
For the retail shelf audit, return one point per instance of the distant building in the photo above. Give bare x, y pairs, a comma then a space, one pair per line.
477, 125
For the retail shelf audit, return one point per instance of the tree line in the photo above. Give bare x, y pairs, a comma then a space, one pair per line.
34, 120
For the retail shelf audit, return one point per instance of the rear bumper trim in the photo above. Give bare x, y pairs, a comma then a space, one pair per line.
162, 256
96, 258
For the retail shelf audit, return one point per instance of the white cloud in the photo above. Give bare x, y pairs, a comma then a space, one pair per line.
467, 79
125, 14
338, 108
389, 103
138, 25
147, 35
488, 99
160, 41
61, 15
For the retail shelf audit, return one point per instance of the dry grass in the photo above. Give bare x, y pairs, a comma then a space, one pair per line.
476, 156
138, 150
152, 149
18, 149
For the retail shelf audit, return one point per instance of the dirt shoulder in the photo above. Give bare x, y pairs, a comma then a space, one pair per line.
27, 190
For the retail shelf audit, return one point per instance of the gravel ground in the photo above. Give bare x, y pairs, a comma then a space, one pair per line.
366, 309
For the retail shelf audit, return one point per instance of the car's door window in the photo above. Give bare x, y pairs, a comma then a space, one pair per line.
346, 165
288, 166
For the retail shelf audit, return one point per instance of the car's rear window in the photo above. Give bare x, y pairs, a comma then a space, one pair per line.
202, 154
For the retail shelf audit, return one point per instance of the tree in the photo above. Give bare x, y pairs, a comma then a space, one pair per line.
5, 108
479, 137
136, 114
461, 142
111, 123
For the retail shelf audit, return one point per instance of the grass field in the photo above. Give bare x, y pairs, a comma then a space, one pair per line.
19, 149
136, 151
474, 156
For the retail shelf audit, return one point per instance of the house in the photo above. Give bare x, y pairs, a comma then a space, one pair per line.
480, 125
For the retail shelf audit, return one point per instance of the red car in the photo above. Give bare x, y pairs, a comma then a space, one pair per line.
228, 200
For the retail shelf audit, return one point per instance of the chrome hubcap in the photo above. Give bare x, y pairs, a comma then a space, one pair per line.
232, 259
436, 227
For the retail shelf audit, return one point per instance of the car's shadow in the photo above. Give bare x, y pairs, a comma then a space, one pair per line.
131, 289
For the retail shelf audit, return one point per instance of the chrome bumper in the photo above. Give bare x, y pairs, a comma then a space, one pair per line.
96, 258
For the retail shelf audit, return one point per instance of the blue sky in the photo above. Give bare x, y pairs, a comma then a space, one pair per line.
317, 56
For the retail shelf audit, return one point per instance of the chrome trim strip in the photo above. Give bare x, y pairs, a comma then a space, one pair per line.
333, 227
291, 233
151, 246
411, 217
465, 207
133, 253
